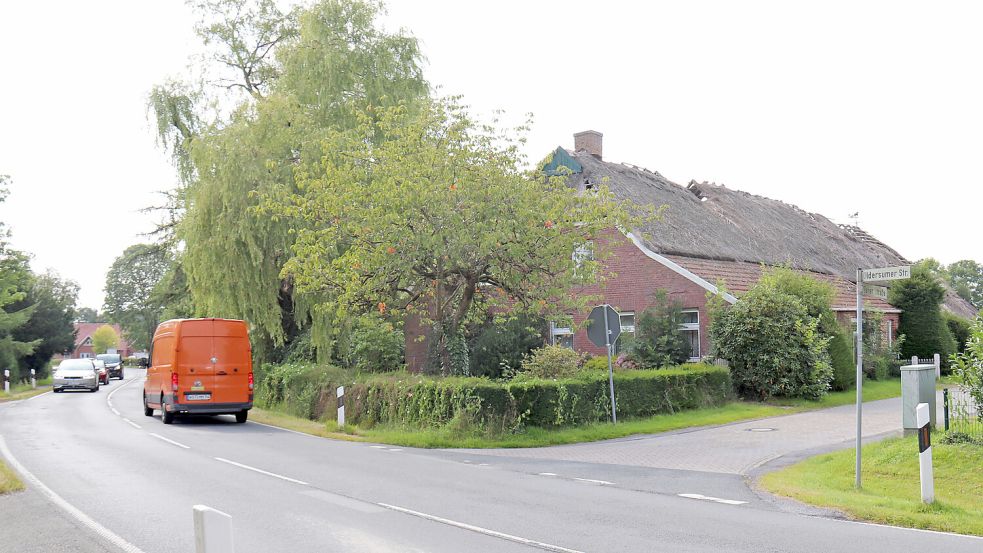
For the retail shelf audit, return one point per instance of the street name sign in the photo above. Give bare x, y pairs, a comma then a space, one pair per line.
887, 273
875, 291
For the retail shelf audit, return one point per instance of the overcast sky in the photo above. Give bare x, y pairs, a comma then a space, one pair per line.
869, 107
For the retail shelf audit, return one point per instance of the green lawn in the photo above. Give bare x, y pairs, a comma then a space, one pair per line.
538, 437
8, 480
891, 487
24, 391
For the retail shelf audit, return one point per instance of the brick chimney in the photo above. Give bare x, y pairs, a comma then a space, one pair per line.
588, 141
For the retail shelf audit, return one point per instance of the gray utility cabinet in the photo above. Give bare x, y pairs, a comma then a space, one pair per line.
917, 386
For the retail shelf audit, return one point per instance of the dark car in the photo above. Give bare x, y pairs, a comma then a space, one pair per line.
114, 364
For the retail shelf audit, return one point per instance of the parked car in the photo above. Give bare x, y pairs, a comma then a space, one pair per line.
75, 374
114, 364
102, 370
200, 366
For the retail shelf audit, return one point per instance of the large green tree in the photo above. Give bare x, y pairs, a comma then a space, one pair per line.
130, 285
14, 281
303, 73
920, 299
430, 212
104, 338
51, 322
966, 277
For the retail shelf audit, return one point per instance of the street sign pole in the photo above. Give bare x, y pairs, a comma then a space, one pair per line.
860, 366
607, 336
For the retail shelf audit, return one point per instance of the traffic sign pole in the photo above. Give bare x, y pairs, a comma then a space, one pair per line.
607, 335
860, 366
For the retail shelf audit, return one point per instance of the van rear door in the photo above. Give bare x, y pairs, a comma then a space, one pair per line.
196, 372
233, 361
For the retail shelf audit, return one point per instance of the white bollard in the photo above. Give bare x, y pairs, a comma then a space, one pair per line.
938, 365
213, 530
925, 453
341, 406
6, 381
34, 380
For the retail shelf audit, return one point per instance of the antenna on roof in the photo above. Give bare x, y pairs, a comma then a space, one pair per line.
855, 217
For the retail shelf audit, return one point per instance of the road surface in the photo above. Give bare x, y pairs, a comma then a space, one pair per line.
135, 480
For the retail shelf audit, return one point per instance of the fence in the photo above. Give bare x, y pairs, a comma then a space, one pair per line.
961, 412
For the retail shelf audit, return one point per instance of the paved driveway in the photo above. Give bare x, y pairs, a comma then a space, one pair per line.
731, 449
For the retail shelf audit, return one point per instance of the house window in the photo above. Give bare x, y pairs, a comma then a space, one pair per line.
582, 254
85, 356
627, 332
690, 328
561, 336
88, 341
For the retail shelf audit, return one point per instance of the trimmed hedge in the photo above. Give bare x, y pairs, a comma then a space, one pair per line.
420, 401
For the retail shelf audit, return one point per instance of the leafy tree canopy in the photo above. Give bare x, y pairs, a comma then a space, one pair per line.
14, 312
51, 322
88, 315
920, 299
130, 285
431, 213
966, 277
104, 338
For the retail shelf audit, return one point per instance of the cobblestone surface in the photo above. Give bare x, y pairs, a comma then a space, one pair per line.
734, 448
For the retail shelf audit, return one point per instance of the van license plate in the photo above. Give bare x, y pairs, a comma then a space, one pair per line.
198, 397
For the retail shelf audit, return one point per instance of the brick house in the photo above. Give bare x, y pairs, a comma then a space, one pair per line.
83, 340
708, 233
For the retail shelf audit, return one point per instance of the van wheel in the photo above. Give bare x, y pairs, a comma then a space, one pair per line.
165, 417
241, 416
147, 411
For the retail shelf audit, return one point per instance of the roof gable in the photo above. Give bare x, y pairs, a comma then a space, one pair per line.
561, 163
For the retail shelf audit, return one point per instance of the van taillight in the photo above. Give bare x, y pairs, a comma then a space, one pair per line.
174, 381
250, 380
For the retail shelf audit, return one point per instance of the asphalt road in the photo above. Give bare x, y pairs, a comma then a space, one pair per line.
289, 492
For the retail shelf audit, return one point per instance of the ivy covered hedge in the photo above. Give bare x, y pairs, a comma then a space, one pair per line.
419, 401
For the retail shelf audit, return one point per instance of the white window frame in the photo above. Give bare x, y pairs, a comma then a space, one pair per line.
694, 327
625, 329
85, 356
560, 331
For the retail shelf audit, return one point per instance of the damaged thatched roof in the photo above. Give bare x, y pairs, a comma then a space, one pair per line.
712, 221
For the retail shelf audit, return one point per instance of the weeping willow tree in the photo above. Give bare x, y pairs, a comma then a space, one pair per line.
280, 81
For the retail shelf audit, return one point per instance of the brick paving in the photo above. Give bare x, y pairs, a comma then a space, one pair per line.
734, 448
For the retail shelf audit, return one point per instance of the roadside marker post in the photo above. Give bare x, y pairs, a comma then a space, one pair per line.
341, 405
6, 381
925, 453
34, 380
604, 318
213, 530
869, 275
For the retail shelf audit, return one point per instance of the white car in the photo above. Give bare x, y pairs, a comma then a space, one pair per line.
75, 374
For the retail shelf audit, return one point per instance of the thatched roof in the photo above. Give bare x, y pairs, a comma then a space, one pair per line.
711, 221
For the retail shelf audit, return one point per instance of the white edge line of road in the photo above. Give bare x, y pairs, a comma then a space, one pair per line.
922, 530
285, 429
168, 440
131, 423
480, 530
78, 515
261, 471
32, 398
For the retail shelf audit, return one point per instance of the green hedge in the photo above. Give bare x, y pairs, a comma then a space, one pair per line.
419, 401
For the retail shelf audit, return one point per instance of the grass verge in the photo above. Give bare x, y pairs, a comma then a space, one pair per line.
450, 437
24, 391
891, 493
9, 482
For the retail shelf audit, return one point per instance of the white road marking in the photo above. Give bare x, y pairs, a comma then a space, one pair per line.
78, 515
714, 499
547, 474
399, 449
285, 429
261, 471
480, 530
168, 440
592, 481
384, 447
115, 412
49, 391
937, 532
131, 423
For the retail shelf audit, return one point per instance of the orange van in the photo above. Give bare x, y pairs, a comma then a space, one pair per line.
199, 366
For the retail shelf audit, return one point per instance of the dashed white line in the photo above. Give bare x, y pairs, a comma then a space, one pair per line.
261, 471
168, 440
68, 507
714, 499
115, 412
384, 447
395, 449
546, 473
592, 481
131, 423
480, 530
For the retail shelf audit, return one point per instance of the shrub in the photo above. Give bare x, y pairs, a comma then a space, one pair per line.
959, 328
920, 299
373, 344
551, 362
595, 364
302, 390
658, 341
773, 345
490, 406
968, 366
498, 346
843, 360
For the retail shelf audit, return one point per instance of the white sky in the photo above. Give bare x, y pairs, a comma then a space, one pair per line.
835, 107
